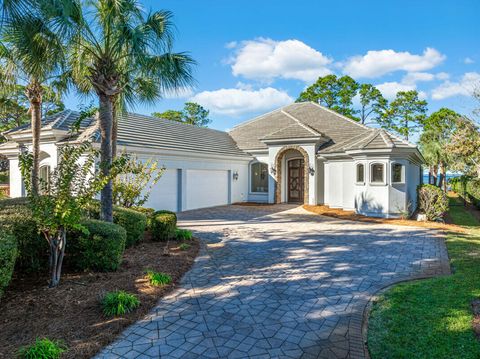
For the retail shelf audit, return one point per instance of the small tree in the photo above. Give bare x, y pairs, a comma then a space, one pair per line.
133, 187
65, 195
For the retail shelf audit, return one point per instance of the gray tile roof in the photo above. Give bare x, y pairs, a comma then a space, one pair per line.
148, 132
60, 121
295, 130
340, 132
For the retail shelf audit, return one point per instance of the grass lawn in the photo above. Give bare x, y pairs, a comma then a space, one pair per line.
433, 318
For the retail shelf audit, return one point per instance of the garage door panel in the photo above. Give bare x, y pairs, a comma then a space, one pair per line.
206, 188
164, 194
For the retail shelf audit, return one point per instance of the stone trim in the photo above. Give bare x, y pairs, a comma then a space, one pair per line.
278, 177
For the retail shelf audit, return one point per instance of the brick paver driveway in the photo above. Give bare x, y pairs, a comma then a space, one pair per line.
279, 282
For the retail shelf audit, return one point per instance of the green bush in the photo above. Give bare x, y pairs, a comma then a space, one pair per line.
42, 349
467, 187
158, 279
164, 225
8, 255
432, 201
147, 212
133, 221
101, 249
16, 218
119, 303
183, 234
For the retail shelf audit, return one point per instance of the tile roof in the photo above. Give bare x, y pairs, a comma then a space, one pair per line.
295, 130
148, 132
341, 132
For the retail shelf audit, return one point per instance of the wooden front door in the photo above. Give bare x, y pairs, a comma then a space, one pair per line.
295, 180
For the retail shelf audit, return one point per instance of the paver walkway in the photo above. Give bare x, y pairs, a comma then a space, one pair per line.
279, 282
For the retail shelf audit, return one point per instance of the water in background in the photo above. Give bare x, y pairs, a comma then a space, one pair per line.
425, 177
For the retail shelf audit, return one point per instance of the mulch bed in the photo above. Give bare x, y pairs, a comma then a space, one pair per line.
72, 312
352, 216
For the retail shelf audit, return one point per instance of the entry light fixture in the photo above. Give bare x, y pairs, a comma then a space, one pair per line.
273, 170
235, 175
311, 170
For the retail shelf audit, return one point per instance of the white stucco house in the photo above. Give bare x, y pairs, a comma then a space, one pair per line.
301, 153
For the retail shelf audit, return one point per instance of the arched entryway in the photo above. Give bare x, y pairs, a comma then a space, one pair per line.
292, 170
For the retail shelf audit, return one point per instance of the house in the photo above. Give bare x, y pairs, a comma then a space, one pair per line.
300, 153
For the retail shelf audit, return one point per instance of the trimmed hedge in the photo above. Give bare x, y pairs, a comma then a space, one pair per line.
468, 187
164, 225
16, 218
432, 201
133, 221
101, 249
8, 255
147, 212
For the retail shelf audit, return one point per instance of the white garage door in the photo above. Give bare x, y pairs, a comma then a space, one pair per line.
164, 193
206, 188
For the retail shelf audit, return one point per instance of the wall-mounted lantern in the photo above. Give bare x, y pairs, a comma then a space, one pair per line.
273, 170
311, 170
235, 175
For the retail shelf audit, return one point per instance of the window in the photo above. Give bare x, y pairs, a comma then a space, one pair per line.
44, 177
259, 177
377, 173
397, 173
360, 173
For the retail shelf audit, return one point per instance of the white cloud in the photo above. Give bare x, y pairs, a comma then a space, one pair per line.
390, 89
469, 82
468, 60
266, 59
237, 101
378, 63
414, 77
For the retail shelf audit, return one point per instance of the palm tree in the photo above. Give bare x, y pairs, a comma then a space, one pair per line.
32, 48
117, 46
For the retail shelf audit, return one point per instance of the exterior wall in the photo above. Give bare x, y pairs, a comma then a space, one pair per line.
414, 179
372, 199
16, 184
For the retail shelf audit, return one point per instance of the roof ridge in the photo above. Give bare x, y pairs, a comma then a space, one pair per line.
371, 137
308, 128
339, 115
357, 139
257, 118
388, 141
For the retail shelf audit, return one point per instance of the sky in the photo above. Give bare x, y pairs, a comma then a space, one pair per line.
255, 56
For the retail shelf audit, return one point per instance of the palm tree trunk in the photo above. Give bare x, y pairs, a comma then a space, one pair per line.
430, 174
105, 124
114, 128
34, 94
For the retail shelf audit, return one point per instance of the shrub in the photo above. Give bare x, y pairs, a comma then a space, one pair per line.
467, 187
158, 279
133, 221
432, 201
119, 303
42, 349
184, 246
183, 234
8, 255
16, 218
164, 224
101, 249
147, 212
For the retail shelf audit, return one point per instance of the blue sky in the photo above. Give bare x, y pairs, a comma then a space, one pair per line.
254, 56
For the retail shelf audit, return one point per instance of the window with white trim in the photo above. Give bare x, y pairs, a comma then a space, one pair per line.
360, 173
259, 177
397, 173
377, 173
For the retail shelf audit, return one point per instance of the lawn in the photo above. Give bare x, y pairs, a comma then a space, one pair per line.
433, 318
